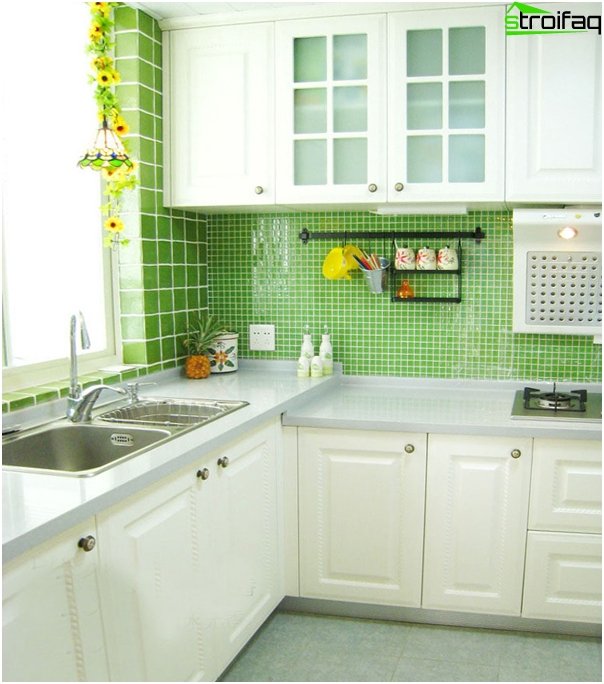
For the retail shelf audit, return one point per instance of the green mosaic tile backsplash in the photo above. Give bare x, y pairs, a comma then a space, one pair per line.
260, 272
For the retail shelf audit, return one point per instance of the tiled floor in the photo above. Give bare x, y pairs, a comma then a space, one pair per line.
293, 647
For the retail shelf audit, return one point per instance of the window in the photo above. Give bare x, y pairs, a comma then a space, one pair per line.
54, 263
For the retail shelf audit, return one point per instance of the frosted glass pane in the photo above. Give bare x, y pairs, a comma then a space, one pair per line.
310, 162
310, 59
425, 53
350, 57
467, 50
349, 161
350, 108
466, 159
424, 159
466, 104
424, 105
310, 110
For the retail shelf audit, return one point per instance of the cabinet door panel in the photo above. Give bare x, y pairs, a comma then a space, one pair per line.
221, 116
154, 581
331, 109
52, 626
445, 124
566, 486
554, 115
247, 568
563, 577
476, 514
361, 515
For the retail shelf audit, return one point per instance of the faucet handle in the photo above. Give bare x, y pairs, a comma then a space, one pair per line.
133, 387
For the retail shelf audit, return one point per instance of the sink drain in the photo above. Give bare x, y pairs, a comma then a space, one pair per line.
122, 439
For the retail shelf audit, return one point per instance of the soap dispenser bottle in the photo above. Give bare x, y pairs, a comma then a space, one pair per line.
308, 349
326, 352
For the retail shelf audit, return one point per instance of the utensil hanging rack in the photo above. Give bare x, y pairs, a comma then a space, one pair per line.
478, 235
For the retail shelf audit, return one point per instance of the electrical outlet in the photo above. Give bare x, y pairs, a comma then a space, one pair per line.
262, 337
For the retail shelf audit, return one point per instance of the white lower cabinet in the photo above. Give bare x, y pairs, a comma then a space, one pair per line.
192, 567
476, 522
52, 629
361, 507
563, 576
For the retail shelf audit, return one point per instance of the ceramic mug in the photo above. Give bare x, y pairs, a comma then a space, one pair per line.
425, 259
404, 259
447, 259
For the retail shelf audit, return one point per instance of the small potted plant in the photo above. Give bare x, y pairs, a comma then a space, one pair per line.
210, 347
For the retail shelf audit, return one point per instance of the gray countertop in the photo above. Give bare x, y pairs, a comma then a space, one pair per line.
37, 506
438, 406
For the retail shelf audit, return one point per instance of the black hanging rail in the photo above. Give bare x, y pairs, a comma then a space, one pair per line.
477, 234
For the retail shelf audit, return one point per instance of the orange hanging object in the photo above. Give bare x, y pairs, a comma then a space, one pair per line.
405, 291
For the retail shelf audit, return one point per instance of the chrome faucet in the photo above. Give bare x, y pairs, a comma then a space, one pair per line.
78, 410
75, 389
80, 402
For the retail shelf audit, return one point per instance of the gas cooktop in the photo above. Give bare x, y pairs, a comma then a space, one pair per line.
577, 404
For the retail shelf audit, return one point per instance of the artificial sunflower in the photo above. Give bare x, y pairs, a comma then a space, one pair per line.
120, 126
114, 224
102, 8
96, 33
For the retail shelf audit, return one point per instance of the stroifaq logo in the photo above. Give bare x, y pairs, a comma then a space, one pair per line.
526, 20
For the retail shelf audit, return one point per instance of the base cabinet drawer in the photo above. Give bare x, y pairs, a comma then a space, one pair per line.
566, 486
563, 578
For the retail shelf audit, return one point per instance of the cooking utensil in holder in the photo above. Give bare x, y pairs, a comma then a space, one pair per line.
376, 277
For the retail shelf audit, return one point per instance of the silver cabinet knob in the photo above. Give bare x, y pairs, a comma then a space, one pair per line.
223, 462
372, 187
258, 189
203, 474
399, 187
87, 543
409, 448
516, 453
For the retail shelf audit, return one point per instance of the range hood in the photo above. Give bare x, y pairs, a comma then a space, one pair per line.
558, 271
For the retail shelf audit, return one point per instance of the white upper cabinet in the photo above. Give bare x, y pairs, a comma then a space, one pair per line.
446, 93
554, 115
331, 110
219, 117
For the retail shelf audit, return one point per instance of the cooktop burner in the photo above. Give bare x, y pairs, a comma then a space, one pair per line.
575, 404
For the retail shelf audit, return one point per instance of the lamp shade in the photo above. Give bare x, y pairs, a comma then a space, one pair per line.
107, 152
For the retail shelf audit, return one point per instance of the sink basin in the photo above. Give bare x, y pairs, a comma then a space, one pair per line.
77, 449
172, 412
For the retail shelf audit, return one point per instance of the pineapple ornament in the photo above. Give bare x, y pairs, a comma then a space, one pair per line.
200, 337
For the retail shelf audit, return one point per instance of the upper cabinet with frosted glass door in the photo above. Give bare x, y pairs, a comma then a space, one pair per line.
331, 110
446, 73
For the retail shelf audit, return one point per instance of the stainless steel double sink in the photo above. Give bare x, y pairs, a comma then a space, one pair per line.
84, 449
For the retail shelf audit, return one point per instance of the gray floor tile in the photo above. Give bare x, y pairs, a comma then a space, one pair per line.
426, 670
292, 647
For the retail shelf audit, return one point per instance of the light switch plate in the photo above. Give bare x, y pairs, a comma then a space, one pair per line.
262, 337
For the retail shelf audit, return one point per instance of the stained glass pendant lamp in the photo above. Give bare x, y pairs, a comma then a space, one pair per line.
107, 151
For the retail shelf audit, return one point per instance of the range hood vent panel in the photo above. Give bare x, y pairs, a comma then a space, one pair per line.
557, 282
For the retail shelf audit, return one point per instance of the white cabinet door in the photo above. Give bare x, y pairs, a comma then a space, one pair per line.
246, 555
476, 515
156, 580
446, 92
554, 115
566, 486
52, 625
361, 515
220, 117
192, 566
563, 577
331, 110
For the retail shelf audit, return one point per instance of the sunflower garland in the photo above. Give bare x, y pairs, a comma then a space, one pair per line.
109, 152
